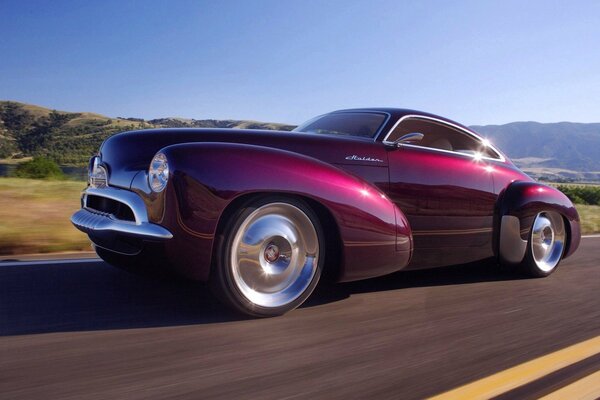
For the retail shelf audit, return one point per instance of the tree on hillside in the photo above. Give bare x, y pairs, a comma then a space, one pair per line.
56, 119
37, 137
15, 117
7, 148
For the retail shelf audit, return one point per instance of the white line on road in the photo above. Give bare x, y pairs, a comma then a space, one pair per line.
590, 236
49, 262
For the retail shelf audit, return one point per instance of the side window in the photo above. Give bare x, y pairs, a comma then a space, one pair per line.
437, 135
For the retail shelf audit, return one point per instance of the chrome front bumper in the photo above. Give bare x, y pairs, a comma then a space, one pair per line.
104, 225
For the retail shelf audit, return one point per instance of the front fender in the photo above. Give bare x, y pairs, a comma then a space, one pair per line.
208, 177
518, 205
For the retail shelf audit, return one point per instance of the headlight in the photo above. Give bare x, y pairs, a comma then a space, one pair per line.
158, 174
97, 175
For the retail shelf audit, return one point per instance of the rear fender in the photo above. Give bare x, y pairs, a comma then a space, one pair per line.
207, 177
518, 205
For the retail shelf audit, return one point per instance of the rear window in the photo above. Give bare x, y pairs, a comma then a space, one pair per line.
361, 124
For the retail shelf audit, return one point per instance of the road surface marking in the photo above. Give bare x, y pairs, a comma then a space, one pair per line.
590, 236
522, 374
587, 388
48, 262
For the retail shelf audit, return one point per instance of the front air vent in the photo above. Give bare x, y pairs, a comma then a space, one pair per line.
105, 205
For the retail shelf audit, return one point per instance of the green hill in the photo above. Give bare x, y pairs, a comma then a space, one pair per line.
71, 138
556, 151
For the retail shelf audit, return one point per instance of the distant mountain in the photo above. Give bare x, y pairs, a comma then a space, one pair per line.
555, 151
71, 138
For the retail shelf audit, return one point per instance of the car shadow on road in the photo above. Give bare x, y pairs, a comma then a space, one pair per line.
481, 271
96, 296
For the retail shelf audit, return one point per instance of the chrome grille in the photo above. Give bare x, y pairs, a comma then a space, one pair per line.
108, 206
111, 213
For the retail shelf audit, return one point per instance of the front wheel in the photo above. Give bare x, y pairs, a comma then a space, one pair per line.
270, 257
546, 244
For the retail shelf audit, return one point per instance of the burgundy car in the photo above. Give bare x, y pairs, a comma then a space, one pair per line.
354, 194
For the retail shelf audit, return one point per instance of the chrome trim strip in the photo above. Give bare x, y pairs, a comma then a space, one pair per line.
473, 231
456, 153
512, 248
500, 158
104, 225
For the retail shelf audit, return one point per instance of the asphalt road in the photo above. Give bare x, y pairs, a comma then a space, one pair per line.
87, 330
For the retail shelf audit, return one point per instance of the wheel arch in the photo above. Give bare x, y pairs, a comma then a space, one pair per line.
212, 180
517, 206
332, 266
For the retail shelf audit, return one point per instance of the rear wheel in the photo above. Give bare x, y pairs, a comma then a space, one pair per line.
546, 244
270, 257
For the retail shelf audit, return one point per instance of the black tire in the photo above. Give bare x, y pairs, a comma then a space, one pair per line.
229, 287
545, 246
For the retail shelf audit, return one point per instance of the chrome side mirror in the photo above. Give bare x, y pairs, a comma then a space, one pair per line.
409, 137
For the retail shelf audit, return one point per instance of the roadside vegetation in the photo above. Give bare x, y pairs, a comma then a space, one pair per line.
34, 213
587, 202
39, 168
590, 218
581, 194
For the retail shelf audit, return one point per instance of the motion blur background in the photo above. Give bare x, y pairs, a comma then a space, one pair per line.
526, 75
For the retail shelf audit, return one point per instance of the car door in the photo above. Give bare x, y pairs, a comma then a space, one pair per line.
442, 181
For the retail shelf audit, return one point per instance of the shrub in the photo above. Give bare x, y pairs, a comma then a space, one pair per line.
39, 168
582, 194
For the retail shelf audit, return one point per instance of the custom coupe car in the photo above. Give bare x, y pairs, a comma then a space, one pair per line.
353, 194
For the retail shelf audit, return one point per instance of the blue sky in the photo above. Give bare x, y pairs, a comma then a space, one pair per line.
478, 62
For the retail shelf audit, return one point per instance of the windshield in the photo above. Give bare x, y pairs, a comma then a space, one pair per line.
361, 124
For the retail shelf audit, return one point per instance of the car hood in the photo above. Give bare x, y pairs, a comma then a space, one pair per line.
127, 153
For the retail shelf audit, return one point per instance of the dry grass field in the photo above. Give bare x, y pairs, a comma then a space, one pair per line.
590, 218
34, 216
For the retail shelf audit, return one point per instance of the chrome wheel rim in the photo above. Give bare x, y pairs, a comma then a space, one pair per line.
274, 255
547, 240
